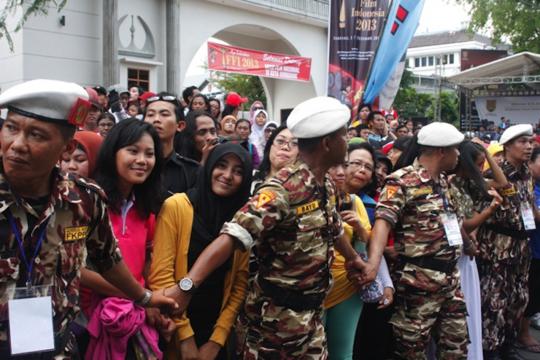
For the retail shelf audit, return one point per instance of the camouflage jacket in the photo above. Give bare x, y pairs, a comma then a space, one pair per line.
77, 223
293, 224
413, 203
493, 245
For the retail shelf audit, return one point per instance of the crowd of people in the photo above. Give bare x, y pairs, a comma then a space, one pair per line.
173, 227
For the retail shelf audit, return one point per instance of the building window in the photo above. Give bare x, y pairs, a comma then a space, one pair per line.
430, 61
424, 61
445, 59
139, 77
416, 62
451, 59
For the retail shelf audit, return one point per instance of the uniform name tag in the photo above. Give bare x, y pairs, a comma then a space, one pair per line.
508, 191
309, 207
452, 229
75, 233
527, 216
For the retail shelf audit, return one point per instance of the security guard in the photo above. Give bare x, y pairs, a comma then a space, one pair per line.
503, 262
428, 238
293, 223
49, 219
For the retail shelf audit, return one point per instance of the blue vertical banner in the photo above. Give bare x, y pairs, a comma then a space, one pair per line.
400, 27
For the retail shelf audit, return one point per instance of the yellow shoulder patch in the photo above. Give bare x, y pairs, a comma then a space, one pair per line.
265, 197
391, 190
508, 191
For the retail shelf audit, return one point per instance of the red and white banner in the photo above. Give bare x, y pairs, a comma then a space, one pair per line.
258, 63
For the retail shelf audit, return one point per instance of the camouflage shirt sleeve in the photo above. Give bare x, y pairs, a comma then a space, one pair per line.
262, 212
101, 243
391, 201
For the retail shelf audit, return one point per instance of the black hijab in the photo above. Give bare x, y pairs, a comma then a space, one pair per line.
210, 210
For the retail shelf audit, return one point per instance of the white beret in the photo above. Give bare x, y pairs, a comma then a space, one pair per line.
53, 101
318, 116
515, 131
439, 134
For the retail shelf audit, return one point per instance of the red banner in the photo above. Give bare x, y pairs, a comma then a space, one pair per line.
258, 63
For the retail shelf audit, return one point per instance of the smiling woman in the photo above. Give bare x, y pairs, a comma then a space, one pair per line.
185, 227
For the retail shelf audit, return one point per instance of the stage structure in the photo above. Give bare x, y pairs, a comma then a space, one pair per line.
508, 87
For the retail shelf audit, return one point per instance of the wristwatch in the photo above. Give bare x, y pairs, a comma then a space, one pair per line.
145, 299
186, 284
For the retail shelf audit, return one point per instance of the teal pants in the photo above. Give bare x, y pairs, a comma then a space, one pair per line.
341, 322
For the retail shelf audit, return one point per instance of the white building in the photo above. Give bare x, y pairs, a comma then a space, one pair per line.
438, 54
153, 42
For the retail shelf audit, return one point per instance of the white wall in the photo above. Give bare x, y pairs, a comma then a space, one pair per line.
71, 52
201, 20
11, 62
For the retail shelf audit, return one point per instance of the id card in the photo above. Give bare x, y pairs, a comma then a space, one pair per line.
452, 229
527, 216
31, 321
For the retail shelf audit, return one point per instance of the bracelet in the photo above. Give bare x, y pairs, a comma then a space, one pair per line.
145, 299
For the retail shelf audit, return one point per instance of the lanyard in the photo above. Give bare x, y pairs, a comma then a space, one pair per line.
18, 236
446, 205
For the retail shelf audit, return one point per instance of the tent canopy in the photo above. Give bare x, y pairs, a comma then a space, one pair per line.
523, 67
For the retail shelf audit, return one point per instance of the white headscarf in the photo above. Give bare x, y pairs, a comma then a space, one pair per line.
257, 131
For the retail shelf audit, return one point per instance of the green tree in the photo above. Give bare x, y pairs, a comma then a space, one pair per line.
408, 102
449, 108
246, 85
515, 20
30, 8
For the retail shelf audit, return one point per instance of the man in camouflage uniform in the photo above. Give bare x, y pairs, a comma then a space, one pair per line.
56, 216
503, 262
293, 223
429, 302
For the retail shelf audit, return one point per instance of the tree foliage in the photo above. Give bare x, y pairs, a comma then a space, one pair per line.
515, 20
246, 85
30, 8
410, 103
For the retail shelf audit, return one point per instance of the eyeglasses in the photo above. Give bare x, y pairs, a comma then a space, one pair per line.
359, 165
280, 142
169, 98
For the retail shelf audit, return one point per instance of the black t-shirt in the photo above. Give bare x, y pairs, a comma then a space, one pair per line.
179, 175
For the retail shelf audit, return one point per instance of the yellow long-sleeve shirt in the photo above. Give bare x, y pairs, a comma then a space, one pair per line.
342, 288
169, 265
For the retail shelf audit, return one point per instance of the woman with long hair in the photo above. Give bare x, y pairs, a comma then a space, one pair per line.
186, 225
199, 102
129, 171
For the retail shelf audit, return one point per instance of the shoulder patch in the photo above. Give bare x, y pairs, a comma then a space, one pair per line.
391, 190
265, 196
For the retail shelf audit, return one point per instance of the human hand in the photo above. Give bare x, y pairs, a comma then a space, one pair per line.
209, 351
360, 272
188, 349
162, 323
181, 297
160, 300
351, 218
207, 148
387, 299
497, 199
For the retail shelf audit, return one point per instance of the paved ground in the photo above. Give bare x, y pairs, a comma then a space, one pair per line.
528, 355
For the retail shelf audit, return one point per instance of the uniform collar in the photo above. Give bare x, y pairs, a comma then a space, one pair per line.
62, 190
422, 171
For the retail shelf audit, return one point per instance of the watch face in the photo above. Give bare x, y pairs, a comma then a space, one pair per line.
186, 284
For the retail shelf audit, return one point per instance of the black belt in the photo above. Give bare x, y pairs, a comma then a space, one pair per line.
520, 234
293, 300
431, 263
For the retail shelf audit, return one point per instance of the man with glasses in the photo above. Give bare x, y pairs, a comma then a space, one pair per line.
293, 225
428, 240
165, 113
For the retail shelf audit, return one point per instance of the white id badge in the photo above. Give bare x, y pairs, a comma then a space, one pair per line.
31, 321
452, 229
527, 216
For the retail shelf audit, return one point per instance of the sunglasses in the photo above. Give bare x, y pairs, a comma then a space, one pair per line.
168, 98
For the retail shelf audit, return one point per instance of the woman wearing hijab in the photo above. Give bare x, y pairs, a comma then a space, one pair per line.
185, 226
256, 105
83, 160
259, 121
